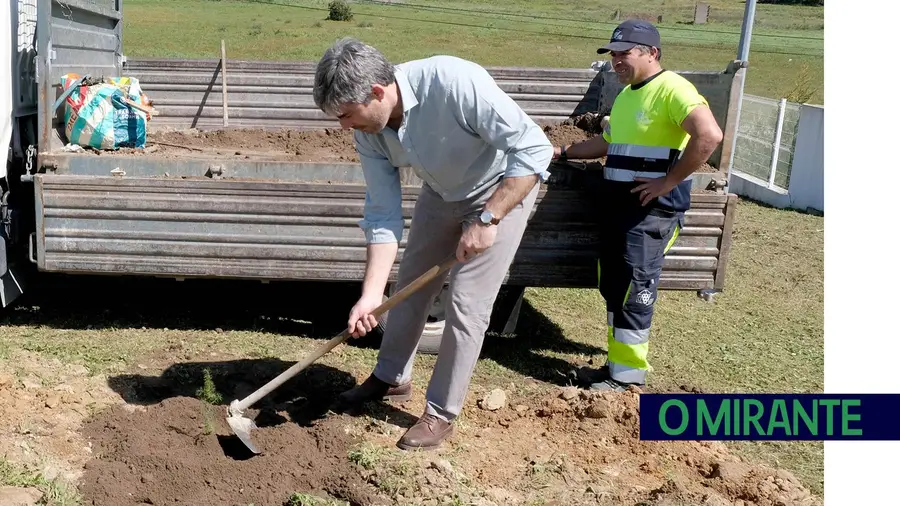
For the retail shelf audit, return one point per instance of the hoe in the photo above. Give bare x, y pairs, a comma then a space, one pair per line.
241, 425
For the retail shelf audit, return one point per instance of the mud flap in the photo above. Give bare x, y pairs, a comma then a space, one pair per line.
11, 286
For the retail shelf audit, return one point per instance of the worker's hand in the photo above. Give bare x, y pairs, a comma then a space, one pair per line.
475, 238
652, 188
361, 319
558, 152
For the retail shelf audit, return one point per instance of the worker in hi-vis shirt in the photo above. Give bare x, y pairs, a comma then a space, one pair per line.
660, 131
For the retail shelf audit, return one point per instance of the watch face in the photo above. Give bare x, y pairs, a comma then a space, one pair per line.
486, 217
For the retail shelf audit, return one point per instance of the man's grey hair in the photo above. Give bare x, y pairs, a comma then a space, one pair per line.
645, 49
346, 73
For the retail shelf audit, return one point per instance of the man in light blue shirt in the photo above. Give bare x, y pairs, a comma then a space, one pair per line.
481, 160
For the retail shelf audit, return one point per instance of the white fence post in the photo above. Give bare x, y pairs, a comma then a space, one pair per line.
777, 143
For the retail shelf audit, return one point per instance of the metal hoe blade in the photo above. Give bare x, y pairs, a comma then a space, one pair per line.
241, 426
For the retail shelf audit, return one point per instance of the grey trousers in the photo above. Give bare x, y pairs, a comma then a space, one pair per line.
434, 234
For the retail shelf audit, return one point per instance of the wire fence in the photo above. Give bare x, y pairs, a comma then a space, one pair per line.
26, 24
766, 136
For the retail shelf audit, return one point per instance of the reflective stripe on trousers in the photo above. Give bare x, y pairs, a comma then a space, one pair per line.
627, 352
636, 275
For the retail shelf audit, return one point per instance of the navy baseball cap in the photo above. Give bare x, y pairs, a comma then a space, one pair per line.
630, 33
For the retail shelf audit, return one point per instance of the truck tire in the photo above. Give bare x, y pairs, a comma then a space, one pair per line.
504, 318
430, 341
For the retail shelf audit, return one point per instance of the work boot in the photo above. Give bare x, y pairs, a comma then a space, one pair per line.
586, 376
611, 385
373, 389
427, 434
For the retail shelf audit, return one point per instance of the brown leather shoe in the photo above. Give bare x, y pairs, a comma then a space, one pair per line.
427, 434
373, 389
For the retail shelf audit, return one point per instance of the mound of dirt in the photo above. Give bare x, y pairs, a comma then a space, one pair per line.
564, 134
168, 447
181, 450
323, 145
284, 144
600, 432
328, 144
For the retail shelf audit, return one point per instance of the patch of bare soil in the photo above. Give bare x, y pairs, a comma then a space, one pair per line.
564, 134
309, 145
582, 448
168, 455
323, 145
327, 144
43, 404
589, 445
523, 445
173, 448
254, 144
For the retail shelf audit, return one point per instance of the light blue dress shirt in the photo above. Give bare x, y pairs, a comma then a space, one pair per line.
460, 133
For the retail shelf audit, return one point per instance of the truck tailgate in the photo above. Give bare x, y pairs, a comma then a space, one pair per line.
270, 230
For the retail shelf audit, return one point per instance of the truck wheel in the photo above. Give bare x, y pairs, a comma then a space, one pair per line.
430, 341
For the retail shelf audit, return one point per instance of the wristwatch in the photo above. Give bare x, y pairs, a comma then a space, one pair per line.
562, 154
488, 218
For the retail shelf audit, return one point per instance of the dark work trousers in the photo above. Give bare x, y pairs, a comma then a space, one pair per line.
635, 240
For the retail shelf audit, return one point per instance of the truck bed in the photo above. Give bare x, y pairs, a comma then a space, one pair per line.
261, 229
285, 204
287, 145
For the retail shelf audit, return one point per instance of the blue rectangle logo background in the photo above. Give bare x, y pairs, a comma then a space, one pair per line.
770, 417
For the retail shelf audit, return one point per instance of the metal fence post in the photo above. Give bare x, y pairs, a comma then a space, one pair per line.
776, 146
746, 30
743, 55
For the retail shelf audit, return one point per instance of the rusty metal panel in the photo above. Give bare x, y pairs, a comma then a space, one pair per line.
80, 36
246, 228
182, 167
188, 228
560, 244
268, 94
725, 246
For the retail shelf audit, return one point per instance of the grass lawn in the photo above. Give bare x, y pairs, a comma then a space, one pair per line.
785, 59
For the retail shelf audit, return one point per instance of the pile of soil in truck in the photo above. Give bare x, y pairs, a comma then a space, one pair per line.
322, 145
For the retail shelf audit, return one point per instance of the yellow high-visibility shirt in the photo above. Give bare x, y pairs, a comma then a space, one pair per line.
645, 135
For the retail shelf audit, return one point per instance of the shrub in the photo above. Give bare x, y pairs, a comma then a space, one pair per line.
339, 10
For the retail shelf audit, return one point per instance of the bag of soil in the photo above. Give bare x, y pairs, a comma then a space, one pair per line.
107, 114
